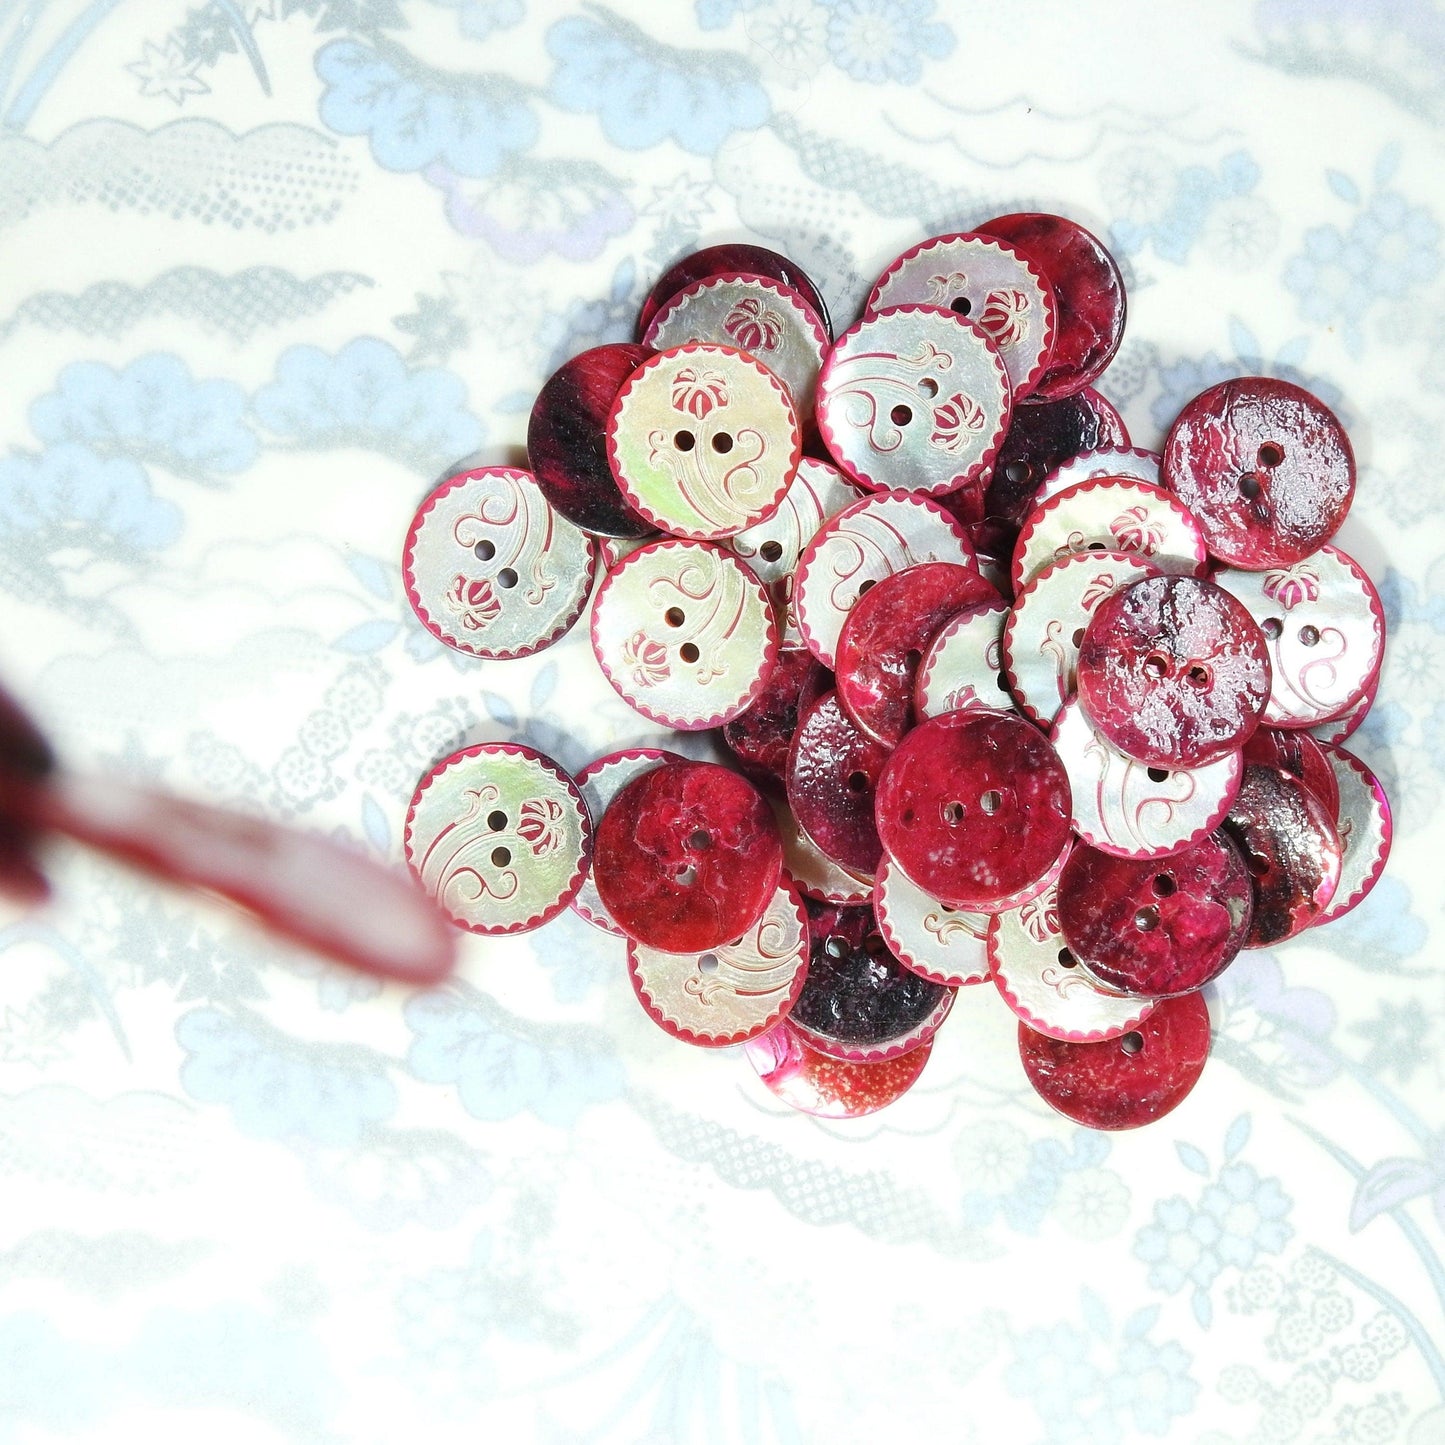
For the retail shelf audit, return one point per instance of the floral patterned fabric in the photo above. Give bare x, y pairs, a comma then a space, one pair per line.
272, 268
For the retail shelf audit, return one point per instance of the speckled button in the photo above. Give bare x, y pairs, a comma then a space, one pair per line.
499, 836
914, 398
811, 1082
684, 632
491, 569
730, 257
1300, 755
817, 875
599, 783
860, 546
733, 992
1173, 672
1126, 1082
974, 807
1040, 980
703, 441
1114, 515
989, 282
1156, 927
1366, 831
963, 666
771, 322
1325, 629
1101, 465
943, 944
1045, 626
762, 734
1266, 468
1132, 809
687, 857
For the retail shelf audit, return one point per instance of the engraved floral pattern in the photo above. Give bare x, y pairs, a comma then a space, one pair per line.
1100, 587
754, 325
644, 660
1040, 916
1289, 586
542, 822
699, 391
473, 602
956, 423
1135, 530
1004, 316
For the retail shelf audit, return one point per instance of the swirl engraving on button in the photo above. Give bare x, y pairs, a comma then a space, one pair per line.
867, 378
754, 967
723, 593
517, 521
451, 868
947, 924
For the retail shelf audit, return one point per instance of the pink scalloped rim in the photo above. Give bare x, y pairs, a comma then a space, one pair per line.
1347, 724
863, 894
663, 358
547, 765
961, 479
1142, 452
945, 634
408, 570
879, 1053
1338, 908
722, 1041
1046, 291
770, 643
900, 952
1042, 515
834, 524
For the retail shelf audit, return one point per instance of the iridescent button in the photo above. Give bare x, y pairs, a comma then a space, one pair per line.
1126, 1082
860, 546
943, 944
762, 734
1326, 632
811, 1082
1101, 465
733, 992
1045, 626
771, 322
989, 282
730, 257
963, 666
1265, 467
491, 569
703, 441
1340, 729
499, 836
914, 398
684, 632
1366, 831
1299, 754
815, 873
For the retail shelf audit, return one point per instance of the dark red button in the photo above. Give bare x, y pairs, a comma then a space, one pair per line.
1173, 672
974, 806
687, 857
813, 1083
717, 261
1125, 1082
1301, 756
762, 735
1265, 467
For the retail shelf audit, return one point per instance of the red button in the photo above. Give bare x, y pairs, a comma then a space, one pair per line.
717, 261
762, 735
1300, 755
813, 1083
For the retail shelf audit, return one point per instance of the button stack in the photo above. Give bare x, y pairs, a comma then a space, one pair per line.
998, 696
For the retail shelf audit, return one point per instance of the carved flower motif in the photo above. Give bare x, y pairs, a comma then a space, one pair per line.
540, 823
1002, 316
1040, 916
942, 289
474, 602
644, 660
1289, 586
956, 423
1136, 531
754, 326
1098, 590
961, 697
698, 390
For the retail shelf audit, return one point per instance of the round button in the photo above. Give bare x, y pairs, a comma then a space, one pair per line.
816, 875
730, 258
1156, 927
987, 281
914, 398
813, 1083
499, 836
599, 783
489, 567
770, 322
567, 441
1046, 624
860, 546
1173, 672
1340, 729
1265, 467
1102, 465
1131, 809
963, 666
1301, 756
684, 633
943, 944
884, 638
687, 857
1126, 1082
730, 993
1325, 627
1366, 831
761, 735
703, 441
1088, 292
974, 807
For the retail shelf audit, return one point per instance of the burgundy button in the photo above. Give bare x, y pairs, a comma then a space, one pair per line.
1173, 671
813, 1083
1292, 848
816, 875
567, 440
1266, 468
1301, 756
762, 734
963, 666
946, 945
1156, 927
833, 771
1100, 465
1088, 291
974, 807
859, 1003
1128, 1081
730, 257
687, 857
1365, 828
886, 634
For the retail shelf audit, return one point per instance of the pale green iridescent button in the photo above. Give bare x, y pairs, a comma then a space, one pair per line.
963, 666
945, 945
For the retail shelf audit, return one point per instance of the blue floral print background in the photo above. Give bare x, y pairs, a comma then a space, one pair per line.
273, 267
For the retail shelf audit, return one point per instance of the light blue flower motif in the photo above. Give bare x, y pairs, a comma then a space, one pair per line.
367, 396
152, 410
717, 14
67, 496
278, 1087
567, 950
644, 92
882, 41
415, 116
478, 18
1009, 1178
1153, 1384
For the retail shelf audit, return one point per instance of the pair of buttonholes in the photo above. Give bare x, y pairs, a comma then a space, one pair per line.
675, 617
902, 414
836, 946
1269, 456
989, 803
1146, 920
685, 441
496, 821
699, 840
1273, 627
1132, 1042
484, 551
1158, 667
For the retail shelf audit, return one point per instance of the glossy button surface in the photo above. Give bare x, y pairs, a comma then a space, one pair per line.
963, 666
762, 734
1101, 464
1366, 831
813, 1083
817, 876
946, 945
731, 256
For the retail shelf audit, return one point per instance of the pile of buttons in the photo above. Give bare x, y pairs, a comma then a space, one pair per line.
1003, 700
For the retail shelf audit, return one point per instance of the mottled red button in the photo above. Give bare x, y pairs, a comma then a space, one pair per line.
687, 857
813, 1083
1300, 755
729, 257
1173, 671
761, 736
974, 807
